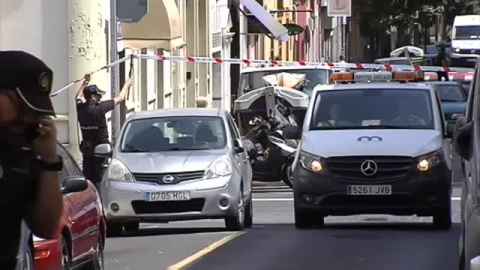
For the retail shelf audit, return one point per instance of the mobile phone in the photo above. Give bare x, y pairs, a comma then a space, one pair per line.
31, 131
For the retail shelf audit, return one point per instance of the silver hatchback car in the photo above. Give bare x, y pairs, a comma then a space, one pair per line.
174, 165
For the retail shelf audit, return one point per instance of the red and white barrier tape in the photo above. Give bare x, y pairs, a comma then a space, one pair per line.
251, 62
119, 61
431, 76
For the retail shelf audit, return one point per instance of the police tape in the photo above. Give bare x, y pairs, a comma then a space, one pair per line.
255, 62
251, 62
119, 61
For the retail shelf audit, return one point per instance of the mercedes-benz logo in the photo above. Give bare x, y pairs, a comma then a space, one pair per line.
369, 168
167, 179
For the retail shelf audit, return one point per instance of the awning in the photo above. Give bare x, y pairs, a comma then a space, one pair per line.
160, 28
264, 20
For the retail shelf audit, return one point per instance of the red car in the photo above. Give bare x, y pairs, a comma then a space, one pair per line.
81, 237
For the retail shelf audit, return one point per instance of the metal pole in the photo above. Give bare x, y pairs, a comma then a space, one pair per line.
115, 70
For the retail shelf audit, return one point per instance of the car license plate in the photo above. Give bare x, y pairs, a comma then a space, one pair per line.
167, 196
373, 76
369, 190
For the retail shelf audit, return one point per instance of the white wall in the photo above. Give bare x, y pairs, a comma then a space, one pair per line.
40, 27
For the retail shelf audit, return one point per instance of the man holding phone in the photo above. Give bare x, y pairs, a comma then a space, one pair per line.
93, 124
29, 164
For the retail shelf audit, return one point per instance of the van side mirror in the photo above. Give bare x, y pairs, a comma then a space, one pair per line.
462, 137
104, 150
292, 133
74, 184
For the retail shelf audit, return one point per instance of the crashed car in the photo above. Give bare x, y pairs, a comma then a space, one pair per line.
262, 115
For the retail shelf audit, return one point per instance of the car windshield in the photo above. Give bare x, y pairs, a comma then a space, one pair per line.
174, 134
450, 92
467, 32
254, 80
372, 108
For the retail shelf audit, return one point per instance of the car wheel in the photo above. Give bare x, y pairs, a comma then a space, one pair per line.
237, 222
249, 213
287, 174
114, 229
65, 254
97, 262
442, 219
132, 227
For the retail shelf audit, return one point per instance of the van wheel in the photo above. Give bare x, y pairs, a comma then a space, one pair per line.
442, 219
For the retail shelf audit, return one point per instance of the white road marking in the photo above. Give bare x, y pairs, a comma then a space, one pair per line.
291, 199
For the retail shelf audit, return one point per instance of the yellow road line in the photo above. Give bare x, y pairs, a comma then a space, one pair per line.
205, 251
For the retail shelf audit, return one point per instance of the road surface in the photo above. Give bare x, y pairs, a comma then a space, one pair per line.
358, 242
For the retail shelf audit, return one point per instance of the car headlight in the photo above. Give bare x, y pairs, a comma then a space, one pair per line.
311, 162
117, 171
457, 50
426, 162
220, 167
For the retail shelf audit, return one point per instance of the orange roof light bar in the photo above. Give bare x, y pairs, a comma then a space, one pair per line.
406, 76
341, 76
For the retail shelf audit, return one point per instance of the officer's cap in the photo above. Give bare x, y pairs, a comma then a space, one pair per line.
93, 90
29, 77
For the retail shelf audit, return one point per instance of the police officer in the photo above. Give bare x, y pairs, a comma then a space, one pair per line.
93, 124
29, 164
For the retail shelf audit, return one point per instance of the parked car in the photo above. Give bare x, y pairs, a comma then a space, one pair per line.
177, 164
25, 250
82, 230
453, 99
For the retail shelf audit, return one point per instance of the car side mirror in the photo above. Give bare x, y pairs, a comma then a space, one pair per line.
292, 133
450, 130
462, 137
237, 144
74, 184
104, 150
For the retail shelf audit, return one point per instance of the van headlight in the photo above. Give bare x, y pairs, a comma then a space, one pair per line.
219, 168
428, 161
311, 162
37, 239
117, 171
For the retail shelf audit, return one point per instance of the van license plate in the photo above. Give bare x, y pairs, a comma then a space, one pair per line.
369, 190
167, 196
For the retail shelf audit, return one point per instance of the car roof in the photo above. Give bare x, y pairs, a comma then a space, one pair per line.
444, 82
178, 112
391, 85
282, 68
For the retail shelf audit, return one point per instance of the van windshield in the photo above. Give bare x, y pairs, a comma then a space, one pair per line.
467, 32
174, 134
373, 109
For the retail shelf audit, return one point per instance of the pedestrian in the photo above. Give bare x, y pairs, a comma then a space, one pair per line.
342, 59
202, 102
93, 124
29, 164
441, 60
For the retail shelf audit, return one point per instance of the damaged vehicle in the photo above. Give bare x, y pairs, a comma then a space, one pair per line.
263, 114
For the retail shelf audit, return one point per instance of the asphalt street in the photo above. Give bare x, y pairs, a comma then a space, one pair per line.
358, 242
